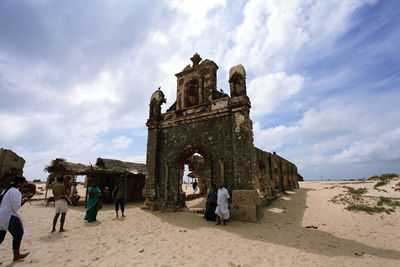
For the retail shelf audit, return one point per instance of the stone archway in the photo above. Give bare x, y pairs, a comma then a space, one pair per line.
199, 160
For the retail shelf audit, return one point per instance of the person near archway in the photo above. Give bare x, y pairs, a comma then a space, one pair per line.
211, 204
222, 210
194, 186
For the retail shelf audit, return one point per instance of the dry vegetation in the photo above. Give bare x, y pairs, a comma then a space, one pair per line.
356, 199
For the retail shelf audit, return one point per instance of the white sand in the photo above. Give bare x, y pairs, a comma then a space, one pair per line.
343, 238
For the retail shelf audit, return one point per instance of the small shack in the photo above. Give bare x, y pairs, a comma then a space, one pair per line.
106, 172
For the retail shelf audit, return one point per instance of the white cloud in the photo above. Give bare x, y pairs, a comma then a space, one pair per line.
385, 147
121, 142
273, 33
195, 18
336, 134
268, 91
103, 88
273, 138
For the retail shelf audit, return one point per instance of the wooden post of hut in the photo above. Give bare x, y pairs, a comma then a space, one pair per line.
87, 186
47, 187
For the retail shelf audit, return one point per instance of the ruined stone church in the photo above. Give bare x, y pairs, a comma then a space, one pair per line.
211, 132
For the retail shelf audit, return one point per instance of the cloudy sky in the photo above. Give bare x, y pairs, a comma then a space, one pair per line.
323, 77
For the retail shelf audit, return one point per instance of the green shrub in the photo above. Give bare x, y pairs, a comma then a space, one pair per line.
387, 201
368, 209
387, 176
358, 191
381, 183
375, 177
383, 177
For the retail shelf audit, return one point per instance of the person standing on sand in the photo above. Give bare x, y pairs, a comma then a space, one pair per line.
93, 202
222, 209
10, 202
74, 194
194, 186
118, 195
61, 204
211, 203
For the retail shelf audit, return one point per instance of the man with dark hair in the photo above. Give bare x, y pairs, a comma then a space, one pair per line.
61, 204
10, 202
118, 195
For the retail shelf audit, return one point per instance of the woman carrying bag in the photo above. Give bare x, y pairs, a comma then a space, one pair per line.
11, 201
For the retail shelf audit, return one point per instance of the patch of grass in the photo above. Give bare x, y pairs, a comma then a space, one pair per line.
397, 187
381, 183
388, 201
358, 191
375, 177
368, 209
385, 176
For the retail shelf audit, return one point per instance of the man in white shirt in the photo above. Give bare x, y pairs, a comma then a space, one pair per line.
10, 202
222, 210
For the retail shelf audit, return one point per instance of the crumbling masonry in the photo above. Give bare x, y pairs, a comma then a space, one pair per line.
212, 133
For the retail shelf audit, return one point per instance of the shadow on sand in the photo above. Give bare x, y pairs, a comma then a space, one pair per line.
280, 229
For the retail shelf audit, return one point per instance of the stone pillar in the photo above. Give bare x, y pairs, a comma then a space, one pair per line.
244, 157
246, 206
150, 191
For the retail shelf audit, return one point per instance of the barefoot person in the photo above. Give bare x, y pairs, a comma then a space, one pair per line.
93, 202
222, 210
211, 203
74, 194
11, 201
61, 205
119, 196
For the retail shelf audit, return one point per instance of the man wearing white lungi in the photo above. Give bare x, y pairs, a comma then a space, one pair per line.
222, 209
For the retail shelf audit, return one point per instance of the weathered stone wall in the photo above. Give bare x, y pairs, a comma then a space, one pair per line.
274, 174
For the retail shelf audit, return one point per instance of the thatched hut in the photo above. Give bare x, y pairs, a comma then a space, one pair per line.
133, 174
106, 172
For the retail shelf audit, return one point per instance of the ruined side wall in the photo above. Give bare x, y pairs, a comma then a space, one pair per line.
274, 175
10, 165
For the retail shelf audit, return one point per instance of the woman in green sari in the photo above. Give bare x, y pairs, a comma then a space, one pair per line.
93, 202
211, 204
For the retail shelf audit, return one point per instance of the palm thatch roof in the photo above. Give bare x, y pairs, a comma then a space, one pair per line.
61, 166
103, 166
121, 166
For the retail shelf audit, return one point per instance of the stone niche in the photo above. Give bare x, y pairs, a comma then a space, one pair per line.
212, 133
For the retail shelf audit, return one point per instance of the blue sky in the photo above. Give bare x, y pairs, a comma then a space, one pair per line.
323, 77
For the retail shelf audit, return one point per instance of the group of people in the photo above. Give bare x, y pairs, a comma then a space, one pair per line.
61, 191
64, 192
217, 205
11, 200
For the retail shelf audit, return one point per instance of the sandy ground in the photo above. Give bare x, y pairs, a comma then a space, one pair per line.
342, 238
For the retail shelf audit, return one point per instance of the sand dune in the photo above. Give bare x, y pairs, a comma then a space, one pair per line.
335, 237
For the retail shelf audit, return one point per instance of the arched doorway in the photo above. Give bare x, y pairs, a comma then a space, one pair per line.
197, 161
